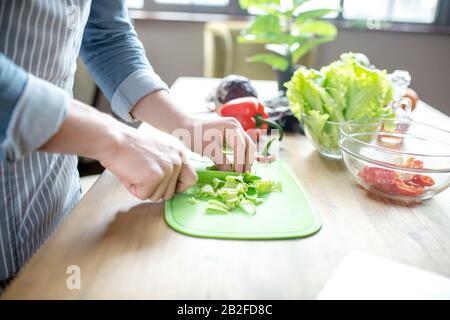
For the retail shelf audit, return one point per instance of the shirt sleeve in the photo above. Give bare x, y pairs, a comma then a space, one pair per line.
116, 58
31, 111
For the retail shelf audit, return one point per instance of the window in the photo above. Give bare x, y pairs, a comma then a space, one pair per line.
193, 6
315, 4
329, 4
435, 12
218, 3
417, 11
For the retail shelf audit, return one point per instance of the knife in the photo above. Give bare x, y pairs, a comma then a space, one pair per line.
206, 176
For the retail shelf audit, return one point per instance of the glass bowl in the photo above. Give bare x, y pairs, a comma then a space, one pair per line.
324, 135
399, 159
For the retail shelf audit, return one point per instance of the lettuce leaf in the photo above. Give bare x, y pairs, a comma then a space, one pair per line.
347, 89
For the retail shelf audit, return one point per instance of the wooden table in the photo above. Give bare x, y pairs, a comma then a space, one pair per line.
125, 250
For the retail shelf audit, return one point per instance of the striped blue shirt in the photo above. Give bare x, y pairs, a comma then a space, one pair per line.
39, 43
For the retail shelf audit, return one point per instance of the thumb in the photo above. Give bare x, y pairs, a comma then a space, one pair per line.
187, 176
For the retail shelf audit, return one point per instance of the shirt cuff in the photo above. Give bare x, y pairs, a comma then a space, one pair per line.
136, 86
37, 116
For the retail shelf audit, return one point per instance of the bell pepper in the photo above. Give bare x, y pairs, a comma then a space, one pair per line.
250, 114
424, 181
407, 184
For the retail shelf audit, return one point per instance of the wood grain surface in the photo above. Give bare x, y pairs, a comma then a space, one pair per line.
125, 250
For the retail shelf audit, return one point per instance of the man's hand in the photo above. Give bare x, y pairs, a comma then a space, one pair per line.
160, 111
151, 167
210, 136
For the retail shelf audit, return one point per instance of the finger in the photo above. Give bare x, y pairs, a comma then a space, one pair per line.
250, 151
187, 176
162, 186
224, 164
171, 186
235, 139
139, 192
214, 149
132, 189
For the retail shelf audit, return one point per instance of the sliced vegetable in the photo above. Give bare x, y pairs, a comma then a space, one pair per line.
234, 191
248, 207
207, 191
217, 182
193, 200
217, 206
424, 181
406, 184
266, 186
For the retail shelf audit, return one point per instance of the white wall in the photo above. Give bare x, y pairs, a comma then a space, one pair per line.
176, 49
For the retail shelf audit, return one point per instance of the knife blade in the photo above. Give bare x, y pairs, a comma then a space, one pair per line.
206, 176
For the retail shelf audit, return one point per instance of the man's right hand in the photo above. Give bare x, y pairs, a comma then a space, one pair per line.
151, 167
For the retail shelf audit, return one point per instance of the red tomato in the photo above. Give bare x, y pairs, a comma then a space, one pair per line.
400, 187
397, 183
379, 176
424, 181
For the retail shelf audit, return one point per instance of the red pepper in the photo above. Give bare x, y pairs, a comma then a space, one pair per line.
250, 113
400, 187
424, 181
395, 182
377, 176
403, 188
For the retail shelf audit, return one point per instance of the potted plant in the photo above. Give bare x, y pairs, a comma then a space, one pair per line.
288, 31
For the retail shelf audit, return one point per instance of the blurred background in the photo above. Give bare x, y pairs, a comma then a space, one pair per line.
190, 38
199, 38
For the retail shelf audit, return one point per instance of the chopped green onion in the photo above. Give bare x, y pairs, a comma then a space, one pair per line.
207, 191
234, 191
248, 207
217, 206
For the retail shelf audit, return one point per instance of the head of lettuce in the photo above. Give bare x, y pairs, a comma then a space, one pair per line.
347, 89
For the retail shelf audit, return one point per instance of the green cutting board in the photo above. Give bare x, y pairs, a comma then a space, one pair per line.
282, 215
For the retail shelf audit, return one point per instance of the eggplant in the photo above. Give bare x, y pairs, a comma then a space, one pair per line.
233, 87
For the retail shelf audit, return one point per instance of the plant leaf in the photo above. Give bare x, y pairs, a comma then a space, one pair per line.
278, 62
282, 50
307, 46
298, 3
245, 4
320, 28
268, 6
263, 29
313, 14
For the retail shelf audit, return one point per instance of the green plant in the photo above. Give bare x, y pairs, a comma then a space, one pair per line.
287, 31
